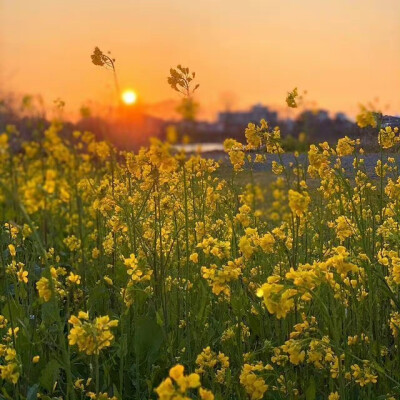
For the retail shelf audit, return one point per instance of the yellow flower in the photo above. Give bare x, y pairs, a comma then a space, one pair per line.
78, 384
76, 279
176, 386
172, 134
206, 394
267, 243
36, 359
302, 137
43, 287
11, 249
277, 299
254, 385
252, 136
345, 146
245, 246
95, 253
293, 348
235, 152
394, 323
108, 280
22, 276
277, 168
91, 337
387, 137
298, 202
72, 242
210, 362
219, 278
136, 274
9, 372
339, 261
363, 376
194, 257
366, 118
165, 390
344, 228
176, 372
11, 354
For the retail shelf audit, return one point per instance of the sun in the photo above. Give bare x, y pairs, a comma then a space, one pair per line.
129, 97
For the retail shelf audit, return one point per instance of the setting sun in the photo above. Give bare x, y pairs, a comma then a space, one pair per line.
129, 97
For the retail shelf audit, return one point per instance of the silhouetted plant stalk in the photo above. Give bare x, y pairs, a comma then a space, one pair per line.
106, 61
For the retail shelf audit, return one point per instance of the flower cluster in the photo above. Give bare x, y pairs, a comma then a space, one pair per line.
91, 336
177, 385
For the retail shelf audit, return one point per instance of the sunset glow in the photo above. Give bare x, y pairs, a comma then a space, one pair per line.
342, 53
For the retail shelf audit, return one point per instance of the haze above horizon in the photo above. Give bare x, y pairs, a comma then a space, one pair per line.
342, 53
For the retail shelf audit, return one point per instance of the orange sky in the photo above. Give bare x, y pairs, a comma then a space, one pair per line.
342, 51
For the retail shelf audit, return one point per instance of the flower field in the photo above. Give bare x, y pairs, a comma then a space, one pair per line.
152, 275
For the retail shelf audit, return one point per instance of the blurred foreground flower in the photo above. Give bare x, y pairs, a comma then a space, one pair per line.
291, 98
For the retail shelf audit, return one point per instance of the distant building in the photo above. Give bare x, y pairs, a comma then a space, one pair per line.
233, 121
388, 120
322, 115
209, 127
228, 124
314, 115
341, 117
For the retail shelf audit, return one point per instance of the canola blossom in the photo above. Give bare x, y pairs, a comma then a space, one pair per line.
161, 275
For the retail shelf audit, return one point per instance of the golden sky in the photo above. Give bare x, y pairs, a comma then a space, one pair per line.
341, 51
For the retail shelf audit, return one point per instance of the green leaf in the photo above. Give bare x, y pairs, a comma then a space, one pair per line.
49, 375
13, 308
50, 312
160, 320
32, 392
116, 392
99, 299
311, 391
148, 339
